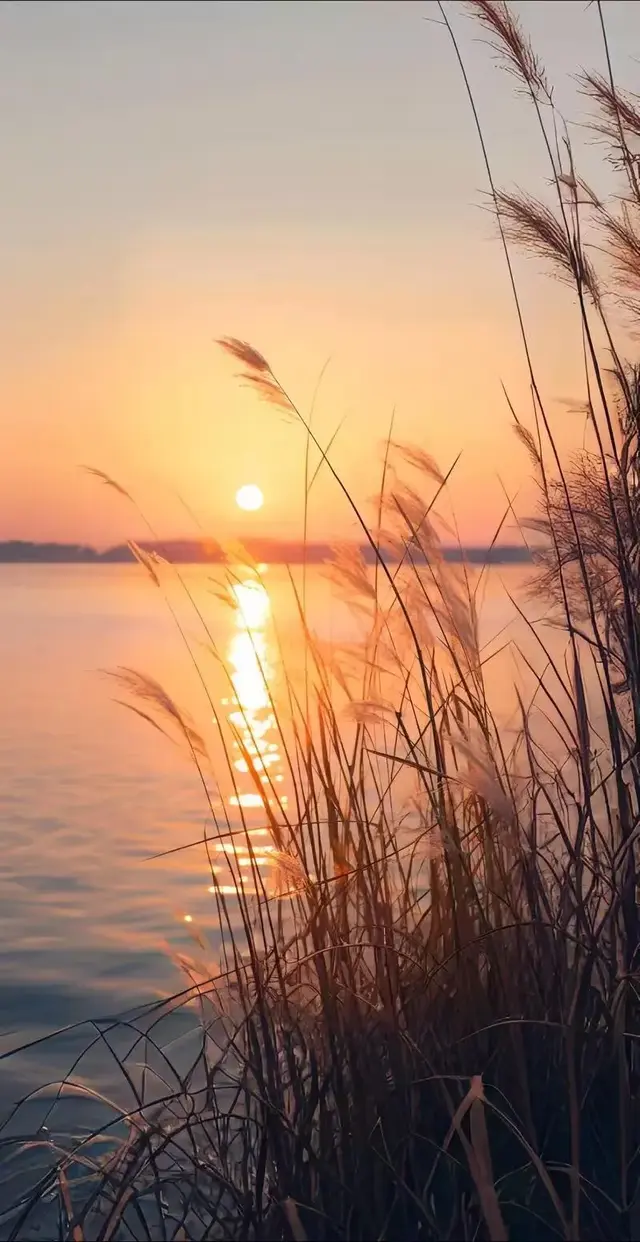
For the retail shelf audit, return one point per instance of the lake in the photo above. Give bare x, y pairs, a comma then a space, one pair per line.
90, 794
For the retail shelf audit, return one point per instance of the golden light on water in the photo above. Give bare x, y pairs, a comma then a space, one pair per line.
247, 657
253, 604
246, 800
257, 758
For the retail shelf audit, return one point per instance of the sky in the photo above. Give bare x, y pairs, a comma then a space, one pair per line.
304, 176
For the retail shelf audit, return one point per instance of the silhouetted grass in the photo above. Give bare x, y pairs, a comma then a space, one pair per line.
438, 1036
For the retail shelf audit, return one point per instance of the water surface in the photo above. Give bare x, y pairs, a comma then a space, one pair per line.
89, 793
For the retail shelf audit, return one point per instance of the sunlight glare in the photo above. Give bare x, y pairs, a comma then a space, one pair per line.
253, 604
249, 497
253, 720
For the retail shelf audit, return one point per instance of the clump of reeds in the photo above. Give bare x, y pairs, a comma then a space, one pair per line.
439, 1040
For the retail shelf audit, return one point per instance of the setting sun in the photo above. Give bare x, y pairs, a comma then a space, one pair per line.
249, 497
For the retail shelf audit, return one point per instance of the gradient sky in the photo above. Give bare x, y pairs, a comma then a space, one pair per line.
305, 176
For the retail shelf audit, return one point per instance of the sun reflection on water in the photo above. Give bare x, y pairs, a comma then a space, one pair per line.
257, 762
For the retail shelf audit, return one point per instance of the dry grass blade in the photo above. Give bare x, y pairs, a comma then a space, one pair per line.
148, 690
482, 1171
293, 1219
527, 439
76, 1232
482, 778
131, 707
616, 106
290, 873
244, 353
146, 560
348, 570
370, 712
417, 457
117, 1212
269, 391
497, 18
107, 480
533, 226
258, 373
622, 234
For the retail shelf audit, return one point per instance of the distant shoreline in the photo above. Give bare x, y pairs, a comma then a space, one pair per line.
272, 552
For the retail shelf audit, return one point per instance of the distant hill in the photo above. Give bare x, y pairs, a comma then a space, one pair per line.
207, 552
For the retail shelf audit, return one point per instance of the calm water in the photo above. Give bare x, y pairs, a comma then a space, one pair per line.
89, 792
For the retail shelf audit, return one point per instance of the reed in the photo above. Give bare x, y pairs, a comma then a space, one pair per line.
439, 1038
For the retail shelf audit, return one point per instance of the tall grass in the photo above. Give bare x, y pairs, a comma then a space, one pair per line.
438, 1036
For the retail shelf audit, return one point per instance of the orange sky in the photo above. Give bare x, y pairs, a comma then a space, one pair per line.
302, 176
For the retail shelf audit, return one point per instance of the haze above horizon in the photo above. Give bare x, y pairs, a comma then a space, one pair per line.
306, 177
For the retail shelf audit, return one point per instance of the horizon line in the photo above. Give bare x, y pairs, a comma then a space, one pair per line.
210, 551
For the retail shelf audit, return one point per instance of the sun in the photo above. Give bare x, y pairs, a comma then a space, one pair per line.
249, 497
